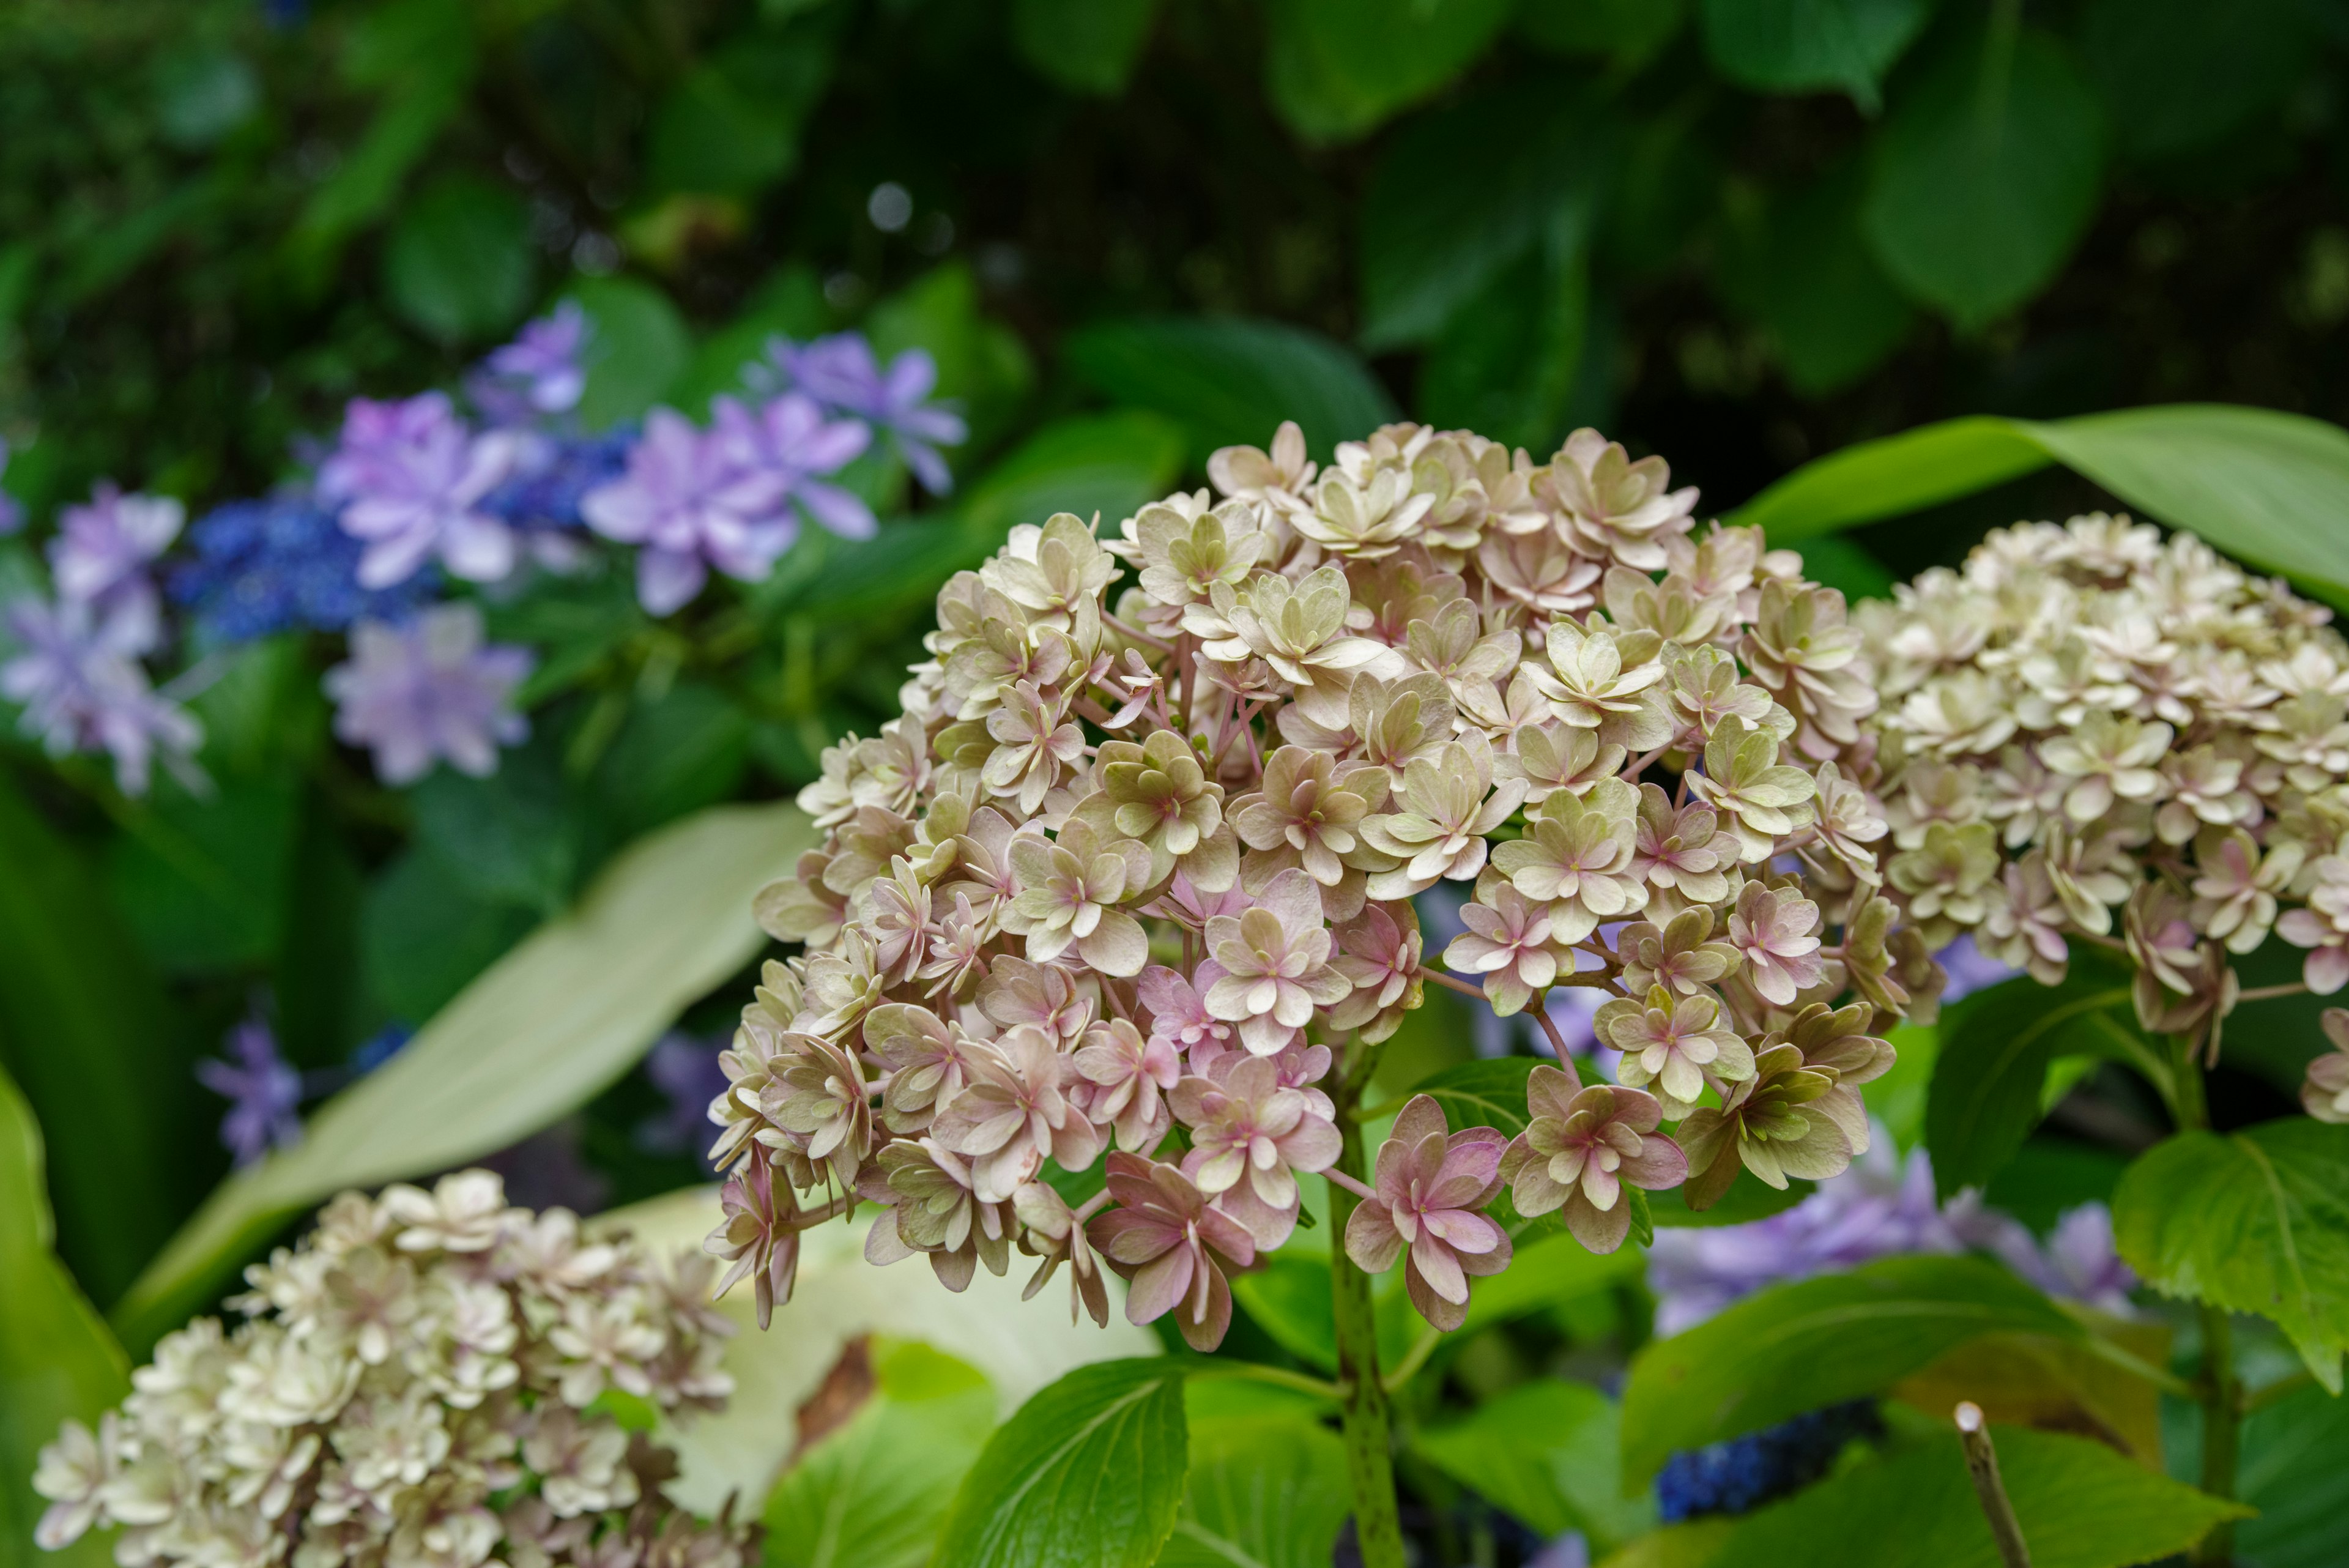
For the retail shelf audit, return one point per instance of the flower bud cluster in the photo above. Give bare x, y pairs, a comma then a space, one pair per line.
2092, 732
419, 1384
1130, 878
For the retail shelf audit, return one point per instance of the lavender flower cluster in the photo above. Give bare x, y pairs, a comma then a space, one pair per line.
415, 495
420, 1381
1141, 858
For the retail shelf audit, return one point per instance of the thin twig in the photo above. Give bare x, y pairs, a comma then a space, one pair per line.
1981, 1464
1448, 982
2268, 992
1339, 1179
1136, 634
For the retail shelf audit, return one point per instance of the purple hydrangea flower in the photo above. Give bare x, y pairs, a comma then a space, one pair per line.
12, 515
553, 475
83, 690
100, 555
264, 1095
789, 437
691, 506
417, 693
542, 371
841, 372
1969, 969
410, 478
280, 562
685, 1069
2077, 1262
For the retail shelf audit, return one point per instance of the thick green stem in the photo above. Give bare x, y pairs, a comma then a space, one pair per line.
2222, 1427
1362, 1408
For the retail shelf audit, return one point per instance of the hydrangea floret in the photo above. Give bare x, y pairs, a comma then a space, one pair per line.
417, 1383
1129, 883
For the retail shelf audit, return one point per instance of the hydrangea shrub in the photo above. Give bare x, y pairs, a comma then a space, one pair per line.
420, 1382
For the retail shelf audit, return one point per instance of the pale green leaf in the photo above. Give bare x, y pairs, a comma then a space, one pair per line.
1489, 1092
1086, 45
875, 1492
539, 1034
1089, 1474
1230, 381
2255, 1221
1893, 474
1986, 176
1263, 1492
1797, 1347
1549, 1452
2080, 1504
1802, 45
58, 1362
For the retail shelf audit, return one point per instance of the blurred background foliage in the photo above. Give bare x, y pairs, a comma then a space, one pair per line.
1740, 233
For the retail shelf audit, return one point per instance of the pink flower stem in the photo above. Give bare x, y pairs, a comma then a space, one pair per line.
1556, 1039
1091, 1205
2267, 992
1461, 986
1136, 634
1338, 1178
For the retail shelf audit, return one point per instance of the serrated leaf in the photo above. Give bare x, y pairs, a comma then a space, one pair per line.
1995, 1049
1802, 45
1229, 381
1086, 45
2254, 1222
1549, 1452
58, 1362
1335, 68
1088, 1474
2080, 1504
2290, 1472
874, 1493
553, 1022
1797, 1347
1489, 1092
1266, 1492
1987, 176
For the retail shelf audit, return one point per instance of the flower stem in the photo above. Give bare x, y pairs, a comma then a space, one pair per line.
1363, 1418
2222, 1427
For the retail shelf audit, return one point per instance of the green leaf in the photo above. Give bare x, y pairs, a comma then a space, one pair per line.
1109, 464
640, 348
1805, 46
425, 934
1987, 176
1432, 241
202, 93
87, 1030
1547, 1270
984, 367
1088, 1474
732, 125
509, 838
675, 755
1749, 1198
1871, 480
541, 1032
2179, 73
203, 882
1263, 1492
875, 1492
1849, 568
1795, 1347
1995, 1049
2254, 1222
2290, 1472
1489, 1092
1802, 270
1085, 46
1546, 1451
1507, 361
1335, 68
58, 1362
2080, 1504
369, 180
459, 263
1289, 1298
1629, 32
1231, 381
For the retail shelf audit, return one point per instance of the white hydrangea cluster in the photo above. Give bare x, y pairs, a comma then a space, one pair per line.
2095, 733
1143, 856
419, 1382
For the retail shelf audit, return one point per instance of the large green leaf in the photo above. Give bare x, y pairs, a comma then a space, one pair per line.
1108, 464
1433, 239
202, 881
2180, 74
1987, 176
640, 348
875, 1492
1229, 381
732, 124
1490, 1093
1549, 1268
459, 263
2266, 486
2255, 1221
1264, 1492
1795, 1347
1086, 45
58, 1362
1627, 31
1801, 46
1800, 268
1549, 1452
1995, 1049
2292, 1472
1088, 1474
87, 1029
1509, 360
1335, 68
542, 1031
2080, 1504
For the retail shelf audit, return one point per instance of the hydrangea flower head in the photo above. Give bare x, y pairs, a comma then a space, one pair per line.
278, 563
841, 372
83, 690
415, 1381
542, 371
691, 504
409, 479
265, 1094
101, 554
428, 691
1132, 875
